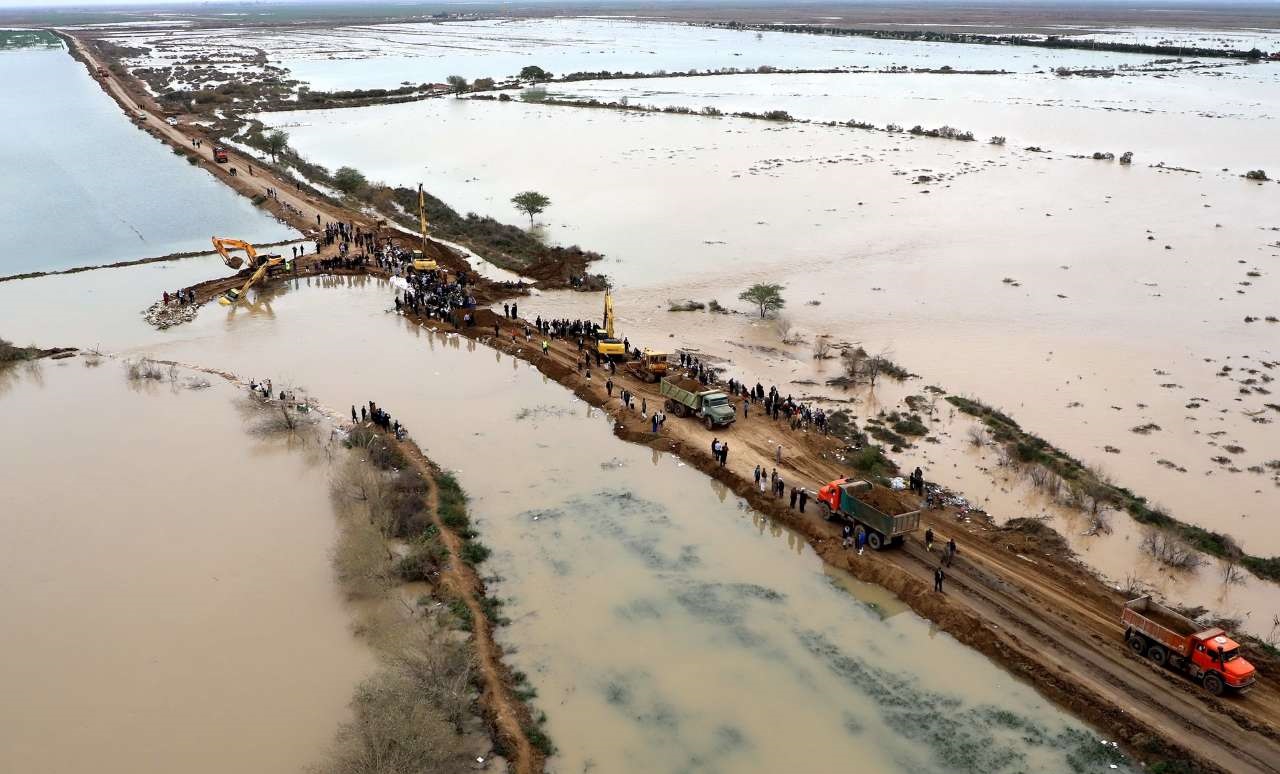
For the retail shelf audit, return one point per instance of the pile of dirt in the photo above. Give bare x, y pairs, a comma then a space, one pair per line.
888, 501
163, 315
1034, 536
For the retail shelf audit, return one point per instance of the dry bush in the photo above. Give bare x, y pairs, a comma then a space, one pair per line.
787, 333
361, 558
395, 730
1229, 567
274, 417
143, 369
1133, 587
1170, 551
978, 436
439, 667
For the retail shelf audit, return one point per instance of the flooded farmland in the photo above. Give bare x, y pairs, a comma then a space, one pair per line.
105, 192
388, 55
1115, 308
164, 581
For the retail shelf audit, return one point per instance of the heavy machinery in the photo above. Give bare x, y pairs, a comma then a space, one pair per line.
261, 265
420, 260
688, 398
876, 509
606, 345
219, 154
651, 366
1205, 654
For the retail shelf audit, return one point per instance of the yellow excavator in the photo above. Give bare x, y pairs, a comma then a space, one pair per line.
420, 260
261, 264
606, 344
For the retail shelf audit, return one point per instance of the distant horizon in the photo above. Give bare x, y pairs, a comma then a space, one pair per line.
100, 5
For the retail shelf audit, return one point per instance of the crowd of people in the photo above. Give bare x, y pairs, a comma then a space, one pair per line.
179, 296
379, 417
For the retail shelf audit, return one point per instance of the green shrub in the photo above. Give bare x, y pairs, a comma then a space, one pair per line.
474, 552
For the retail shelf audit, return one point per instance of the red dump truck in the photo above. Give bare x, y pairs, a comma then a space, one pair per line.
886, 516
220, 154
1207, 656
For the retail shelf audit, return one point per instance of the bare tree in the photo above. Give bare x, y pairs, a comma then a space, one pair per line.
821, 347
1170, 551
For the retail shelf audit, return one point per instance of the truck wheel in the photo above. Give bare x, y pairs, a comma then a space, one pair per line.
1136, 644
709, 422
827, 515
1213, 684
1157, 654
875, 541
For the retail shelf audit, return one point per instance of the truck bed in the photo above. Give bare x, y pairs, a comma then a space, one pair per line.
1159, 623
687, 384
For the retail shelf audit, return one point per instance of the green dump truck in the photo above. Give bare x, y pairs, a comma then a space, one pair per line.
687, 398
885, 515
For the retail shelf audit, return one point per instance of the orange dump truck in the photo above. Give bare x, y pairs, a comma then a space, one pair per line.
1207, 656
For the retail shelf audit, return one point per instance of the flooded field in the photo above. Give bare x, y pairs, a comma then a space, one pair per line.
1084, 298
388, 55
1171, 116
652, 612
164, 582
105, 192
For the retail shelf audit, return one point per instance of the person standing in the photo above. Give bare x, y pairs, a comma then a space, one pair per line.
804, 499
938, 577
846, 539
861, 539
724, 453
951, 551
353, 414
794, 495
928, 539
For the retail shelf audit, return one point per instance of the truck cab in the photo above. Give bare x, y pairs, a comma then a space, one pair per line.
1214, 651
220, 154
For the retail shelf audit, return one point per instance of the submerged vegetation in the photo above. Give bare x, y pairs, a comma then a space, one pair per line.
11, 353
1083, 485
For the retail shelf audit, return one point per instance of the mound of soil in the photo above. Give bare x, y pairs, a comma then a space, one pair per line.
888, 501
1033, 536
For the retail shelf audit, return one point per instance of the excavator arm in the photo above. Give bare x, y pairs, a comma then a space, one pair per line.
261, 265
224, 247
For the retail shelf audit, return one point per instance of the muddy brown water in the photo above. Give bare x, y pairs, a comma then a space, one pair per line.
165, 584
664, 625
1127, 287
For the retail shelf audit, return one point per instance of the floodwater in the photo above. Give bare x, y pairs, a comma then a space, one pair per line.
82, 186
164, 582
388, 55
1084, 298
1175, 117
664, 625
